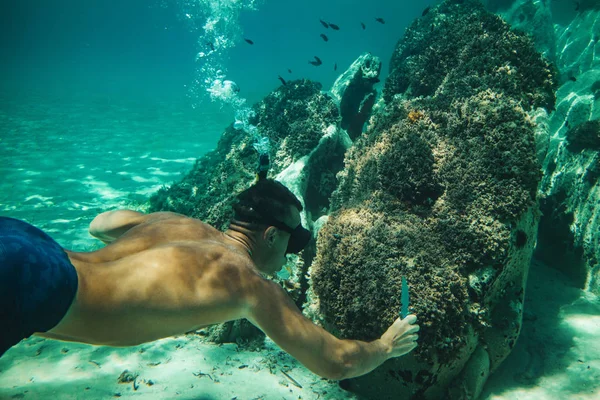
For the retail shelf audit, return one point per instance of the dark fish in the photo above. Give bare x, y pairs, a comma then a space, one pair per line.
289, 70
282, 80
325, 38
325, 24
567, 124
572, 78
317, 62
425, 11
363, 26
334, 27
337, 236
249, 41
576, 6
335, 67
380, 20
211, 45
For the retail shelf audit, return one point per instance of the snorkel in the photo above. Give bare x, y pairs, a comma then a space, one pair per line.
261, 145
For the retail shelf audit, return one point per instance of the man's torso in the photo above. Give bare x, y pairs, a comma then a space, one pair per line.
159, 279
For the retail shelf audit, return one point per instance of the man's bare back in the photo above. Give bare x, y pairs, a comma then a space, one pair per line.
166, 276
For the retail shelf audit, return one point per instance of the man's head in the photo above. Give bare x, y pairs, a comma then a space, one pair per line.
272, 213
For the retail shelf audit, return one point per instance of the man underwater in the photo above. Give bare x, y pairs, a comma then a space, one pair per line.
165, 274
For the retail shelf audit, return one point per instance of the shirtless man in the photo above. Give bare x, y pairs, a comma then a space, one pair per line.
164, 274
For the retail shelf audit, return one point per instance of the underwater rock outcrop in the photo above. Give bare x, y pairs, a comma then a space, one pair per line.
440, 189
569, 234
354, 92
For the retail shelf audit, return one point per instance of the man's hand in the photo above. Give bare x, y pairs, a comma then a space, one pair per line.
401, 336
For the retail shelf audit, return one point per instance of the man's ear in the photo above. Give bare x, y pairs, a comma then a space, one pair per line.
270, 236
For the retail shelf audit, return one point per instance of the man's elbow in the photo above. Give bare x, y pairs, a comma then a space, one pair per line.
99, 227
332, 370
98, 224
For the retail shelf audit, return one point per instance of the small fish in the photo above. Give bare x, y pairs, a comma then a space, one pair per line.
325, 38
380, 20
211, 45
363, 26
317, 62
425, 11
289, 70
572, 78
325, 24
576, 6
281, 79
337, 236
249, 41
335, 67
334, 27
567, 124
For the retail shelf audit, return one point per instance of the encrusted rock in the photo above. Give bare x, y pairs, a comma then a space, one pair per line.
442, 187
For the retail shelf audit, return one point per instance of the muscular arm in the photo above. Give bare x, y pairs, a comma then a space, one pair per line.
276, 314
110, 225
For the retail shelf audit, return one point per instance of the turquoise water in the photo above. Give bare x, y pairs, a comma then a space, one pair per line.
66, 159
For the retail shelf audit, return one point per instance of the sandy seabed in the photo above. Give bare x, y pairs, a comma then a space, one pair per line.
183, 367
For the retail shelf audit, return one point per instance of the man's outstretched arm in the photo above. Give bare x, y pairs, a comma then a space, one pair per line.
273, 311
110, 225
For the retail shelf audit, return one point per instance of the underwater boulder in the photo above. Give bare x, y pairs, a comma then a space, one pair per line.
353, 91
441, 190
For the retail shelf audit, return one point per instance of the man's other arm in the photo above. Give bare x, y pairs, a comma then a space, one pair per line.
110, 225
273, 311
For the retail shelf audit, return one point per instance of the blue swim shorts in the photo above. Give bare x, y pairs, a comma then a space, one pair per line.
37, 282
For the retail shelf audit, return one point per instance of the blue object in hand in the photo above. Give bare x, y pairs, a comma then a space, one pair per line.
404, 299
